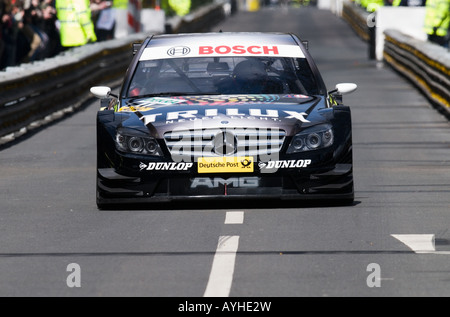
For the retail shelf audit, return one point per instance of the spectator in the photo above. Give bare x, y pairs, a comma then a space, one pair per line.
5, 26
47, 24
36, 39
408, 3
76, 27
437, 21
9, 32
20, 41
103, 18
181, 7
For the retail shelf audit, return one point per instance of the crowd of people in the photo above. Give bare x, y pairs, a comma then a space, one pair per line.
28, 31
437, 16
32, 30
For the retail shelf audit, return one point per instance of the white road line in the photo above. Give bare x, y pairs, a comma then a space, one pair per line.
221, 276
234, 217
419, 243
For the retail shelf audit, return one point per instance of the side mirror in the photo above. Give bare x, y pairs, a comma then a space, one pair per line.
345, 88
101, 92
341, 89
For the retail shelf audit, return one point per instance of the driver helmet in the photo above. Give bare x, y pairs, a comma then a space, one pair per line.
250, 75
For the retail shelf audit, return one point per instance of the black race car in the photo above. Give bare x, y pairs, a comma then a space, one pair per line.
223, 116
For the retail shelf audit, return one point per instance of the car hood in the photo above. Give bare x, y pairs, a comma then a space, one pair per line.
164, 114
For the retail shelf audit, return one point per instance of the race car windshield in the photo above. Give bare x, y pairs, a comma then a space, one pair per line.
224, 75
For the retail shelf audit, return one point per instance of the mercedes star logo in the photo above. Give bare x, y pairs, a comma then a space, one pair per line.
225, 143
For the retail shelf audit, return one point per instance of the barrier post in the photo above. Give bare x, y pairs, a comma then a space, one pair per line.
252, 5
372, 29
372, 42
134, 16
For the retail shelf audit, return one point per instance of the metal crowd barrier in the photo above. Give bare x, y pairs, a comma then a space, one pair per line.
426, 65
357, 18
34, 94
37, 93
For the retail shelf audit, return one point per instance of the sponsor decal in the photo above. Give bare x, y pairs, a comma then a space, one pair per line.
178, 51
234, 99
165, 166
235, 164
133, 109
284, 164
146, 104
297, 96
238, 50
236, 182
163, 52
232, 113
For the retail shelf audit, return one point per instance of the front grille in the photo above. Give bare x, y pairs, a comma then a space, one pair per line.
188, 145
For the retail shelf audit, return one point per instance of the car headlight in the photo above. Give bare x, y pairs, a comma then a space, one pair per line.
314, 138
135, 143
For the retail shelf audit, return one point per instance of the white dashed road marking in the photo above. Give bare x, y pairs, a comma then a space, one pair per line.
234, 217
419, 243
221, 276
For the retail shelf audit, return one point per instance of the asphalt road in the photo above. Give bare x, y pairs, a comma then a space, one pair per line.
54, 241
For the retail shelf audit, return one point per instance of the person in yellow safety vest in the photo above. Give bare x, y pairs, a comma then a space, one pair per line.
437, 21
408, 3
120, 4
76, 27
372, 5
181, 7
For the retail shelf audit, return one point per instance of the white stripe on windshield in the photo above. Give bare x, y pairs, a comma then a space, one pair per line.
162, 52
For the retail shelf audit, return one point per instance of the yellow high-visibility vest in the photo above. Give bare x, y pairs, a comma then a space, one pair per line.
181, 7
437, 17
120, 4
76, 27
372, 5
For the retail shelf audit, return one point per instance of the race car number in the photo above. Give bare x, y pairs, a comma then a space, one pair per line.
238, 164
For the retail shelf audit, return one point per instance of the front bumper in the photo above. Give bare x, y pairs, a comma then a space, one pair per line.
320, 184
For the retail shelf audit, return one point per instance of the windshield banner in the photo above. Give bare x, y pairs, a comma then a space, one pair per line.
161, 52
